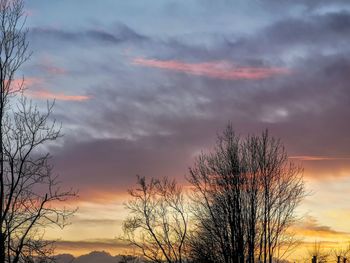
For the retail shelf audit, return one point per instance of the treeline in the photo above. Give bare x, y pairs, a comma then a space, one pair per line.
240, 203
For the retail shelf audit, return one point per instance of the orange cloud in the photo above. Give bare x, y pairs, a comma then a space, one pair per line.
318, 158
214, 69
310, 227
45, 94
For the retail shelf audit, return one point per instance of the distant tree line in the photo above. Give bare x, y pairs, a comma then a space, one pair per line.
318, 254
240, 205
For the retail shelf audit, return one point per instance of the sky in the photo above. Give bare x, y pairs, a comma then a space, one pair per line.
142, 87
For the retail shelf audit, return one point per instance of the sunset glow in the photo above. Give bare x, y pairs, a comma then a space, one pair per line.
145, 87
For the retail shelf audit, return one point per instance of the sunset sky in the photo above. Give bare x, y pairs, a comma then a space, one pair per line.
142, 86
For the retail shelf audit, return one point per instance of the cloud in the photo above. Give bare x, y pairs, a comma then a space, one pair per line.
107, 163
309, 5
32, 86
214, 69
310, 227
317, 158
45, 94
25, 82
116, 35
51, 69
288, 39
139, 122
143, 128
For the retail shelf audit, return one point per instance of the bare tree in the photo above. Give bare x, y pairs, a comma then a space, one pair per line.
318, 253
246, 192
29, 191
218, 184
158, 220
282, 191
341, 254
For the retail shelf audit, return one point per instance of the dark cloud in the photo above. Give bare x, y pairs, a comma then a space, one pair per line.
112, 165
291, 38
119, 33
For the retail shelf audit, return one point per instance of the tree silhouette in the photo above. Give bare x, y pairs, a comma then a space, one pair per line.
245, 193
318, 253
158, 220
29, 191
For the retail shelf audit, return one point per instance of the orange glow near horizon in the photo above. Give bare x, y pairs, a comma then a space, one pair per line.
91, 231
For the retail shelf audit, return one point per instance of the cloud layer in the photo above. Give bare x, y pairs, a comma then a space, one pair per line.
143, 88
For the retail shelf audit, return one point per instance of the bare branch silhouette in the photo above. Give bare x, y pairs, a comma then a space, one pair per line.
245, 194
29, 191
158, 221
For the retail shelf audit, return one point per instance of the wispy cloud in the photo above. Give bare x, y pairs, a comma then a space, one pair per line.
25, 82
28, 83
54, 70
45, 94
118, 34
310, 227
213, 69
318, 158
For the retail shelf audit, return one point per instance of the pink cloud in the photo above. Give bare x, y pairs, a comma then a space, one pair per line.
45, 94
213, 69
27, 83
19, 84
